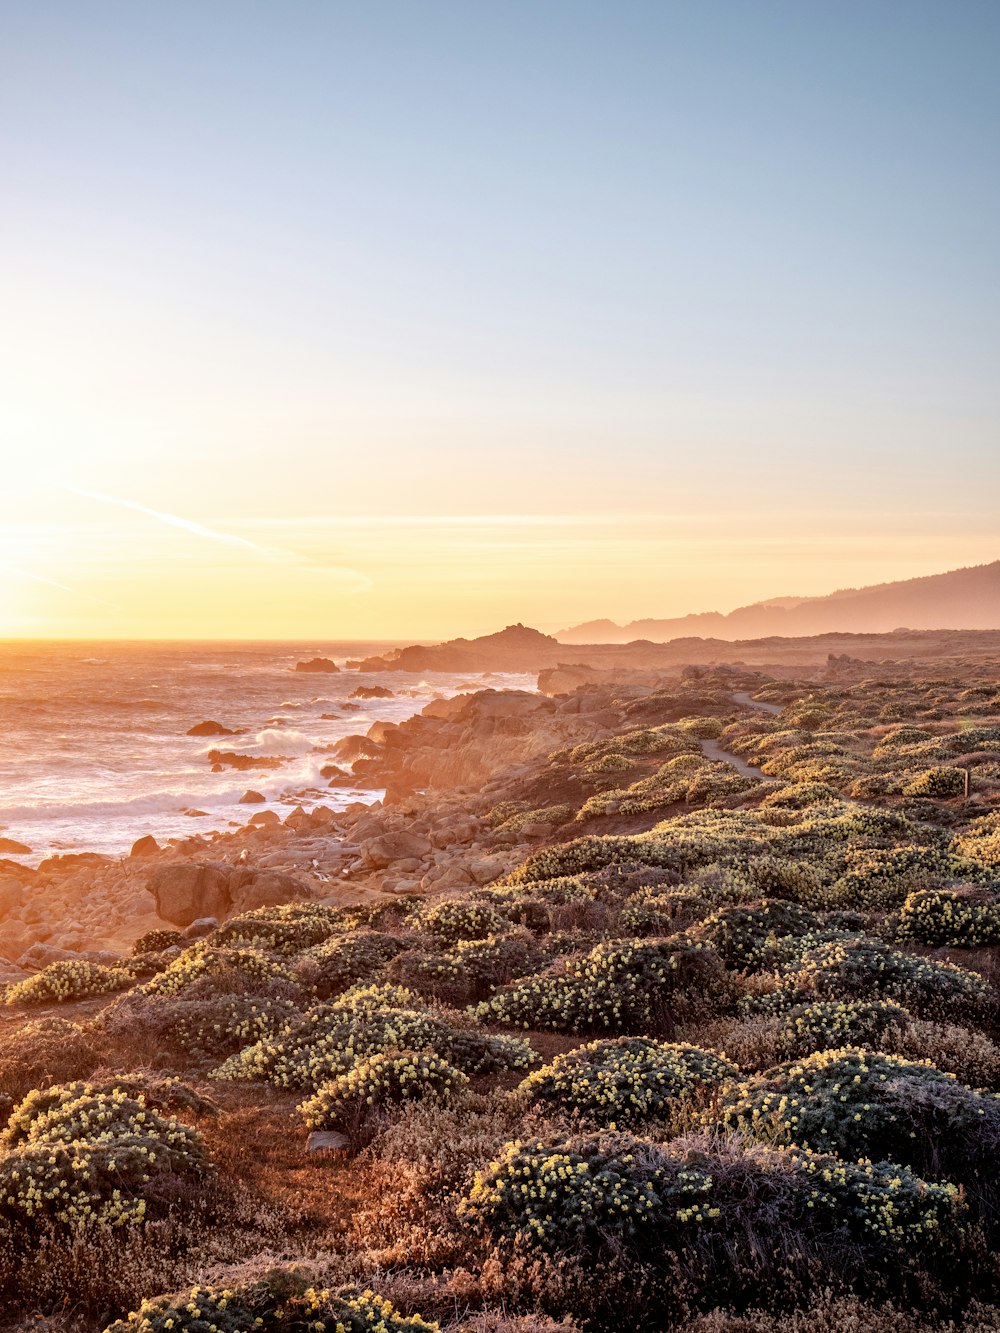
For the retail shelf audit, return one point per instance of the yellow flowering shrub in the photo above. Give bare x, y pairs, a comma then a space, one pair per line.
864, 1104
67, 980
937, 916
82, 1155
375, 1085
279, 1303
620, 986
627, 1081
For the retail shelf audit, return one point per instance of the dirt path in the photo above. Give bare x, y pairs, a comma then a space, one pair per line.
713, 750
743, 698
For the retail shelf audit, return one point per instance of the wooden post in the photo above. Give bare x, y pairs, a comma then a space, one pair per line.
968, 782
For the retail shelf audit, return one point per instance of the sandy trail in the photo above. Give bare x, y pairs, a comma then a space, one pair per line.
713, 750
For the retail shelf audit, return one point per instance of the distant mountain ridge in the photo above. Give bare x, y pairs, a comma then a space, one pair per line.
959, 599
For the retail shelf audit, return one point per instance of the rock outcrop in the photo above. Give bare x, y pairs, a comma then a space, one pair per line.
184, 891
322, 665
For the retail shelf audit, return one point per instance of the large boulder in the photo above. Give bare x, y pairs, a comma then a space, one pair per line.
264, 888
382, 851
186, 891
318, 664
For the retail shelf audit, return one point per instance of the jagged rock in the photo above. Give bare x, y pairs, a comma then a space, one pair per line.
319, 664
187, 891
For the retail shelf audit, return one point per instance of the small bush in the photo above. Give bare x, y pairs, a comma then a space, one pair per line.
627, 1081
68, 980
936, 916
379, 1083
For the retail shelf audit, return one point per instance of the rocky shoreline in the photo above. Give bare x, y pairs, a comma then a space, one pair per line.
445, 773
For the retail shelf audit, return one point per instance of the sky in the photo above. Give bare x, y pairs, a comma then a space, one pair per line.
381, 319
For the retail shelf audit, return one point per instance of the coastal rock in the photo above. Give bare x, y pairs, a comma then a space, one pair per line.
251, 888
371, 692
210, 728
184, 892
44, 955
264, 817
252, 798
241, 762
318, 664
200, 928
147, 846
14, 848
11, 895
380, 852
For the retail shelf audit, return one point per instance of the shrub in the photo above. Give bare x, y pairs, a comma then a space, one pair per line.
627, 1081
378, 1083
155, 941
623, 986
342, 960
718, 1207
67, 980
863, 1104
937, 916
746, 937
860, 967
287, 928
938, 783
463, 919
44, 1050
199, 1025
330, 1039
83, 1155
981, 841
279, 1303
235, 970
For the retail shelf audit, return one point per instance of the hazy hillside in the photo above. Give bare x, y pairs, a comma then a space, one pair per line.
959, 599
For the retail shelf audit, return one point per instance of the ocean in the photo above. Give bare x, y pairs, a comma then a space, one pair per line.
93, 750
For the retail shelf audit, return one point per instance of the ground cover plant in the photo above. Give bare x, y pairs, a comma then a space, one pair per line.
710, 1053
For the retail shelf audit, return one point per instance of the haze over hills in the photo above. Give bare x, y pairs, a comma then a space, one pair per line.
959, 599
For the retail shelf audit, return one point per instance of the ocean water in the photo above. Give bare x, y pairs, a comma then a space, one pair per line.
93, 751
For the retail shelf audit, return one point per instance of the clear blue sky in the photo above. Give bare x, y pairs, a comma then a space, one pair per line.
550, 259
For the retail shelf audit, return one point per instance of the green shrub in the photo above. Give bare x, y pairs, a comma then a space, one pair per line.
981, 841
286, 928
627, 1081
236, 970
748, 938
457, 919
82, 1155
619, 987
61, 982
937, 916
860, 968
279, 1303
342, 960
155, 941
378, 1083
330, 1039
863, 1104
938, 783
613, 1191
